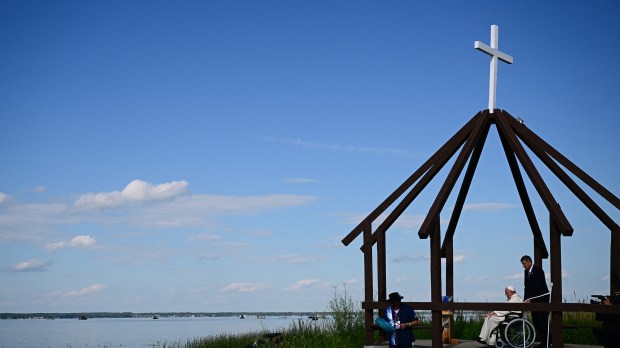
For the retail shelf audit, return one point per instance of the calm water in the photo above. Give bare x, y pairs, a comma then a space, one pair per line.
134, 332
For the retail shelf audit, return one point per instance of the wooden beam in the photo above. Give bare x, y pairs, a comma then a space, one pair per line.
437, 327
415, 191
452, 177
533, 174
460, 200
368, 289
557, 320
614, 266
522, 130
449, 249
490, 306
523, 195
381, 267
453, 142
538, 149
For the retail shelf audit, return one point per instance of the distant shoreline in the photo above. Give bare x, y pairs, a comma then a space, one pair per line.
76, 315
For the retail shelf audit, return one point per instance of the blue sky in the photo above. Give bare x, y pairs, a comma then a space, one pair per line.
210, 155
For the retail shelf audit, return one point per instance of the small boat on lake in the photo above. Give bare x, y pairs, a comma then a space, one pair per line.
156, 316
242, 316
83, 317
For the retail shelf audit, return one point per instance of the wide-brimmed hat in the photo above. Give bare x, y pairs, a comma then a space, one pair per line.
394, 297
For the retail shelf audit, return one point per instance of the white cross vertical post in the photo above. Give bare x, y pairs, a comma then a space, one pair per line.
495, 54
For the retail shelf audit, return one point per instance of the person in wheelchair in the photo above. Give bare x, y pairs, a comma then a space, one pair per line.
488, 334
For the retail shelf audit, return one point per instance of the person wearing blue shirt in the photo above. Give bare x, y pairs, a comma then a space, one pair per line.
403, 319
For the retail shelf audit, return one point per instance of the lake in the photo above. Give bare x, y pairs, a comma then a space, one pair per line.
128, 332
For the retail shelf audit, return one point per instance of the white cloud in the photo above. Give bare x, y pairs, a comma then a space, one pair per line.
516, 276
136, 191
349, 282
400, 280
475, 280
301, 181
247, 205
93, 289
36, 189
233, 245
244, 287
565, 274
406, 258
4, 198
405, 221
204, 236
355, 149
208, 257
488, 206
34, 265
291, 258
457, 258
35, 222
202, 210
76, 242
305, 283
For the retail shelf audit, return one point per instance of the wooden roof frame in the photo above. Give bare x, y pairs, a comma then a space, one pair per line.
470, 139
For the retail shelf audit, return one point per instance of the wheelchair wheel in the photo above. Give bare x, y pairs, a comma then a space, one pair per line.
519, 333
499, 343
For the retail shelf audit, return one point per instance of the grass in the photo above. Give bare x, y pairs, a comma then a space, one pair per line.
346, 329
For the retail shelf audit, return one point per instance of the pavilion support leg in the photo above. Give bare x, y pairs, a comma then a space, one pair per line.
381, 273
557, 320
435, 245
450, 279
368, 289
614, 267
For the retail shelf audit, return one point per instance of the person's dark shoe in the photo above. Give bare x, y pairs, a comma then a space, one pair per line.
479, 340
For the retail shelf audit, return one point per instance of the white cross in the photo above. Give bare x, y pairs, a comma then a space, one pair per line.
495, 54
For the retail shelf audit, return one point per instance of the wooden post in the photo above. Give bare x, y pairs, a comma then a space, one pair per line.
450, 279
614, 266
381, 273
557, 320
368, 287
538, 251
435, 245
449, 268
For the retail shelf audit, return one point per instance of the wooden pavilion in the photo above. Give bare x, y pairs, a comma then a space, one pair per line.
470, 139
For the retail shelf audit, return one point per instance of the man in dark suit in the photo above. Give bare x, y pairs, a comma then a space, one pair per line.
536, 291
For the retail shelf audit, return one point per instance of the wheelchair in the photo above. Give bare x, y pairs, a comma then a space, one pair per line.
514, 332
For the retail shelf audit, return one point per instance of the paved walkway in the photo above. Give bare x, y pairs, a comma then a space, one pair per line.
473, 344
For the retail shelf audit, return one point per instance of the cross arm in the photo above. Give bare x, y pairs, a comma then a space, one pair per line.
492, 52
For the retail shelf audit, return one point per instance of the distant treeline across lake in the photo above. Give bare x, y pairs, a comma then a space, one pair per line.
152, 314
